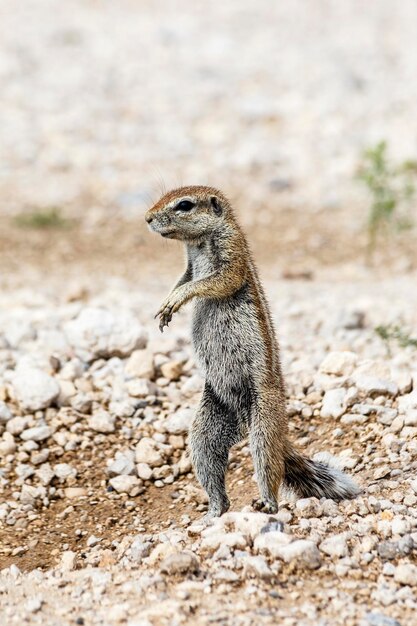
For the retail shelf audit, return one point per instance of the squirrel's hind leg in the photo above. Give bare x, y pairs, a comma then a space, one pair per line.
213, 432
267, 436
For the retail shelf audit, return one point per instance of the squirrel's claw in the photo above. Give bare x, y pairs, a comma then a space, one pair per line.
165, 316
167, 310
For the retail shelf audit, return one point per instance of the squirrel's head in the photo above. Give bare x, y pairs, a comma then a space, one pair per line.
188, 213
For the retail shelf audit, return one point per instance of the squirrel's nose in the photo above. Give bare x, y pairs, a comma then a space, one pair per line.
148, 218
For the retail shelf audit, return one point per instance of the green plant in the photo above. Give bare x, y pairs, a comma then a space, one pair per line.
42, 218
394, 332
392, 191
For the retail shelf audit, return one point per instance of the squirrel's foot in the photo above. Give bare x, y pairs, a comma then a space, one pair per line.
168, 308
207, 519
216, 509
270, 506
164, 320
211, 516
165, 316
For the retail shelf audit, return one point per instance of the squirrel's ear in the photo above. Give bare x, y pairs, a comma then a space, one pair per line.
217, 208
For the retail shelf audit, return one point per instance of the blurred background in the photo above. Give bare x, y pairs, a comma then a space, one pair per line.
105, 104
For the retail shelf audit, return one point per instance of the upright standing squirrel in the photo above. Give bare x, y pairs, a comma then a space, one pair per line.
235, 344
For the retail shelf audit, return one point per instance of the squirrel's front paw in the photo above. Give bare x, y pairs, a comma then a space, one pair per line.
165, 316
168, 308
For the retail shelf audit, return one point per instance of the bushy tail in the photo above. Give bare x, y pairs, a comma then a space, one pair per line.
319, 478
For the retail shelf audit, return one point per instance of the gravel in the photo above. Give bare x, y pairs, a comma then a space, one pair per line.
121, 441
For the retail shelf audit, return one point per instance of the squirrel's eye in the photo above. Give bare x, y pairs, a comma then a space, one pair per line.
185, 205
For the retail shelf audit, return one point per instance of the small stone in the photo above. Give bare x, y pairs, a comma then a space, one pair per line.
148, 451
34, 389
81, 403
180, 563
273, 526
386, 416
406, 545
271, 543
378, 619
333, 403
301, 551
39, 457
171, 370
224, 575
29, 494
309, 507
37, 433
408, 402
63, 471
45, 474
213, 539
75, 492
68, 560
404, 381
144, 471
72, 370
388, 569
67, 391
257, 567
93, 541
16, 425
339, 363
353, 418
5, 413
122, 408
400, 526
185, 465
304, 552
139, 388
14, 571
123, 464
248, 523
180, 422
141, 364
335, 545
381, 472
102, 422
406, 574
177, 442
397, 424
371, 385
126, 484
387, 550
192, 386
98, 332
410, 419
139, 550
33, 605
7, 444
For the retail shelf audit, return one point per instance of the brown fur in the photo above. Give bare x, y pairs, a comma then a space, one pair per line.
245, 390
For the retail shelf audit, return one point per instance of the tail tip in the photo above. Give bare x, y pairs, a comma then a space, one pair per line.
344, 487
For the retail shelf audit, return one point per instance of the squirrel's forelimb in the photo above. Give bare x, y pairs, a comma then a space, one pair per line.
220, 284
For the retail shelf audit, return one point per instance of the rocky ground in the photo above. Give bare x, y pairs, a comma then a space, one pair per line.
100, 509
102, 105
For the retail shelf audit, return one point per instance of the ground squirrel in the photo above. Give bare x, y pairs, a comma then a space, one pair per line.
235, 344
